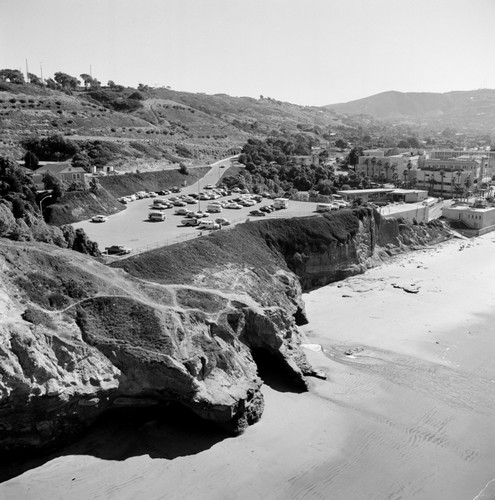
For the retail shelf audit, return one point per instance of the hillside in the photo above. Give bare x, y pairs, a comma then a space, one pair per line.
153, 124
464, 110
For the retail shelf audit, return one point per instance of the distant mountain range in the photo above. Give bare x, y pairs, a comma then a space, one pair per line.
472, 110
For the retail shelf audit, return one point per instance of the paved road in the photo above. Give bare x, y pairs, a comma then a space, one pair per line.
132, 229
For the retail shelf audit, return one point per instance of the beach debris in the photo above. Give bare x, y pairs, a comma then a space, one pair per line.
408, 289
353, 350
347, 296
319, 374
312, 347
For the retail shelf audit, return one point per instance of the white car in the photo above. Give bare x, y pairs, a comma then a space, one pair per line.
233, 205
98, 218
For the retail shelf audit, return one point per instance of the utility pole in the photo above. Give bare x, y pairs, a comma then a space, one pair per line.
41, 70
27, 72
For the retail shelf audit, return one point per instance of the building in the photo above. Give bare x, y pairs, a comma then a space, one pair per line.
449, 177
388, 168
374, 195
63, 171
307, 160
486, 157
478, 218
408, 195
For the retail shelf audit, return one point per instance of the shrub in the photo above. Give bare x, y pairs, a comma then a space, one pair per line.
37, 317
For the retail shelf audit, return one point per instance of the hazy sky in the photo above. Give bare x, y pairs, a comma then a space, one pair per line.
311, 52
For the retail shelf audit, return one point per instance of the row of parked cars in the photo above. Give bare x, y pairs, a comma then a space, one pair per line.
139, 195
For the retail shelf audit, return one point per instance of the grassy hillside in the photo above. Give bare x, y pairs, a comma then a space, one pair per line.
154, 125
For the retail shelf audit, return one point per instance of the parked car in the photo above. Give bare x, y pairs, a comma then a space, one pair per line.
98, 218
247, 203
179, 203
190, 222
233, 205
267, 209
176, 189
257, 213
222, 221
156, 216
208, 224
117, 250
182, 211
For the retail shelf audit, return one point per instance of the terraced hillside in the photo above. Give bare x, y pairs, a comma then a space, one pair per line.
153, 123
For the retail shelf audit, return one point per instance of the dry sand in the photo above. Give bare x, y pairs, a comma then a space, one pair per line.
407, 413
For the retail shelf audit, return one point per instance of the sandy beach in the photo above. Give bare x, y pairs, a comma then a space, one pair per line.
407, 411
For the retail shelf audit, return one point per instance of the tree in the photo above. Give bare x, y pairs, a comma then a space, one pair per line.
353, 156
54, 185
34, 79
442, 176
379, 164
52, 84
387, 167
82, 160
31, 161
341, 144
12, 76
467, 184
93, 185
373, 162
367, 163
183, 169
432, 183
90, 82
52, 148
66, 81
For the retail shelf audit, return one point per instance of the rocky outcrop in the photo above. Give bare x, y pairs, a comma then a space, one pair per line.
179, 325
78, 338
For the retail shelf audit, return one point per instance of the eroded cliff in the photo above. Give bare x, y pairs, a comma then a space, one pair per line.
180, 324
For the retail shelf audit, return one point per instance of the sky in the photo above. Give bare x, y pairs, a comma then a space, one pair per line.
309, 52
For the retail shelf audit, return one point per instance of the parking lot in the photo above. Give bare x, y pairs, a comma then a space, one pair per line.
131, 227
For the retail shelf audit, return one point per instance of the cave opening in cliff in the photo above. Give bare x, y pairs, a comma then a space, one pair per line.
164, 431
274, 371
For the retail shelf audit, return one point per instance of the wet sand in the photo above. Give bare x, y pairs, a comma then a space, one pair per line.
407, 411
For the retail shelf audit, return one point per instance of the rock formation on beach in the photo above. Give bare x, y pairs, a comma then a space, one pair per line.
181, 324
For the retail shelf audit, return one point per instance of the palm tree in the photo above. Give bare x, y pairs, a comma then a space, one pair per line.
395, 178
405, 176
394, 169
431, 182
387, 166
442, 175
379, 163
367, 161
467, 184
373, 162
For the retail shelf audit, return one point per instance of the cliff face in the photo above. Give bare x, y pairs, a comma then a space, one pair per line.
180, 326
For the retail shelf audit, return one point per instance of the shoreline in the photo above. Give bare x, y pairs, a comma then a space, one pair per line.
408, 416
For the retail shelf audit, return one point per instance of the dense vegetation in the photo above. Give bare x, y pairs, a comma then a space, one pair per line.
20, 215
270, 166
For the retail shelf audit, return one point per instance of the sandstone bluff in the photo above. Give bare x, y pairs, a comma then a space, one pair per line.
179, 325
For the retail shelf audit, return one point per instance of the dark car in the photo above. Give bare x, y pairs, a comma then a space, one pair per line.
257, 213
117, 250
267, 209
